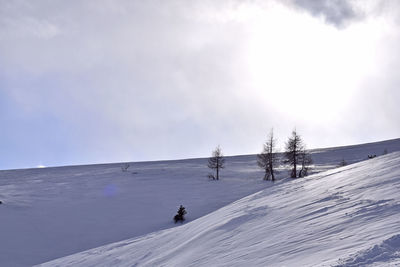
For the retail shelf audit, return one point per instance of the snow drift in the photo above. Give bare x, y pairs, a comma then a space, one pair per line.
347, 216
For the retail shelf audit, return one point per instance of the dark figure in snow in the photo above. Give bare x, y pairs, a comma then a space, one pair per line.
180, 216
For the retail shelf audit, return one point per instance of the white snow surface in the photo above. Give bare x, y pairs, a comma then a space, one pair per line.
346, 216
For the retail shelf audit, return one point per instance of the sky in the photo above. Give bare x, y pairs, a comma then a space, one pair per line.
84, 82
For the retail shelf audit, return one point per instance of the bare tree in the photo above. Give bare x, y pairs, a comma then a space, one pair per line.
267, 159
216, 162
125, 167
293, 150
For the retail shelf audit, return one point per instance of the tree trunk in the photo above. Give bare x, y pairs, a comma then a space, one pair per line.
295, 158
217, 169
272, 174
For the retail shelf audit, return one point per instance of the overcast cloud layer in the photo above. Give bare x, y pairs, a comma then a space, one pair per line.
106, 81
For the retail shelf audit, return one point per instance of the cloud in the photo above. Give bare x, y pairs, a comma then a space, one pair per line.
336, 12
125, 79
101, 81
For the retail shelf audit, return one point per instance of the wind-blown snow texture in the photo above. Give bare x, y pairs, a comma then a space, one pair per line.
350, 212
54, 212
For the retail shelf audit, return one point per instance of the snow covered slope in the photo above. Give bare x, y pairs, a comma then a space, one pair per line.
54, 212
348, 216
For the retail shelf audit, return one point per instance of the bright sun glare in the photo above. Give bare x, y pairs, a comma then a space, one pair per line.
296, 61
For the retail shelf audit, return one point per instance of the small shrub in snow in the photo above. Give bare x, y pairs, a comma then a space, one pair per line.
343, 163
180, 216
125, 167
